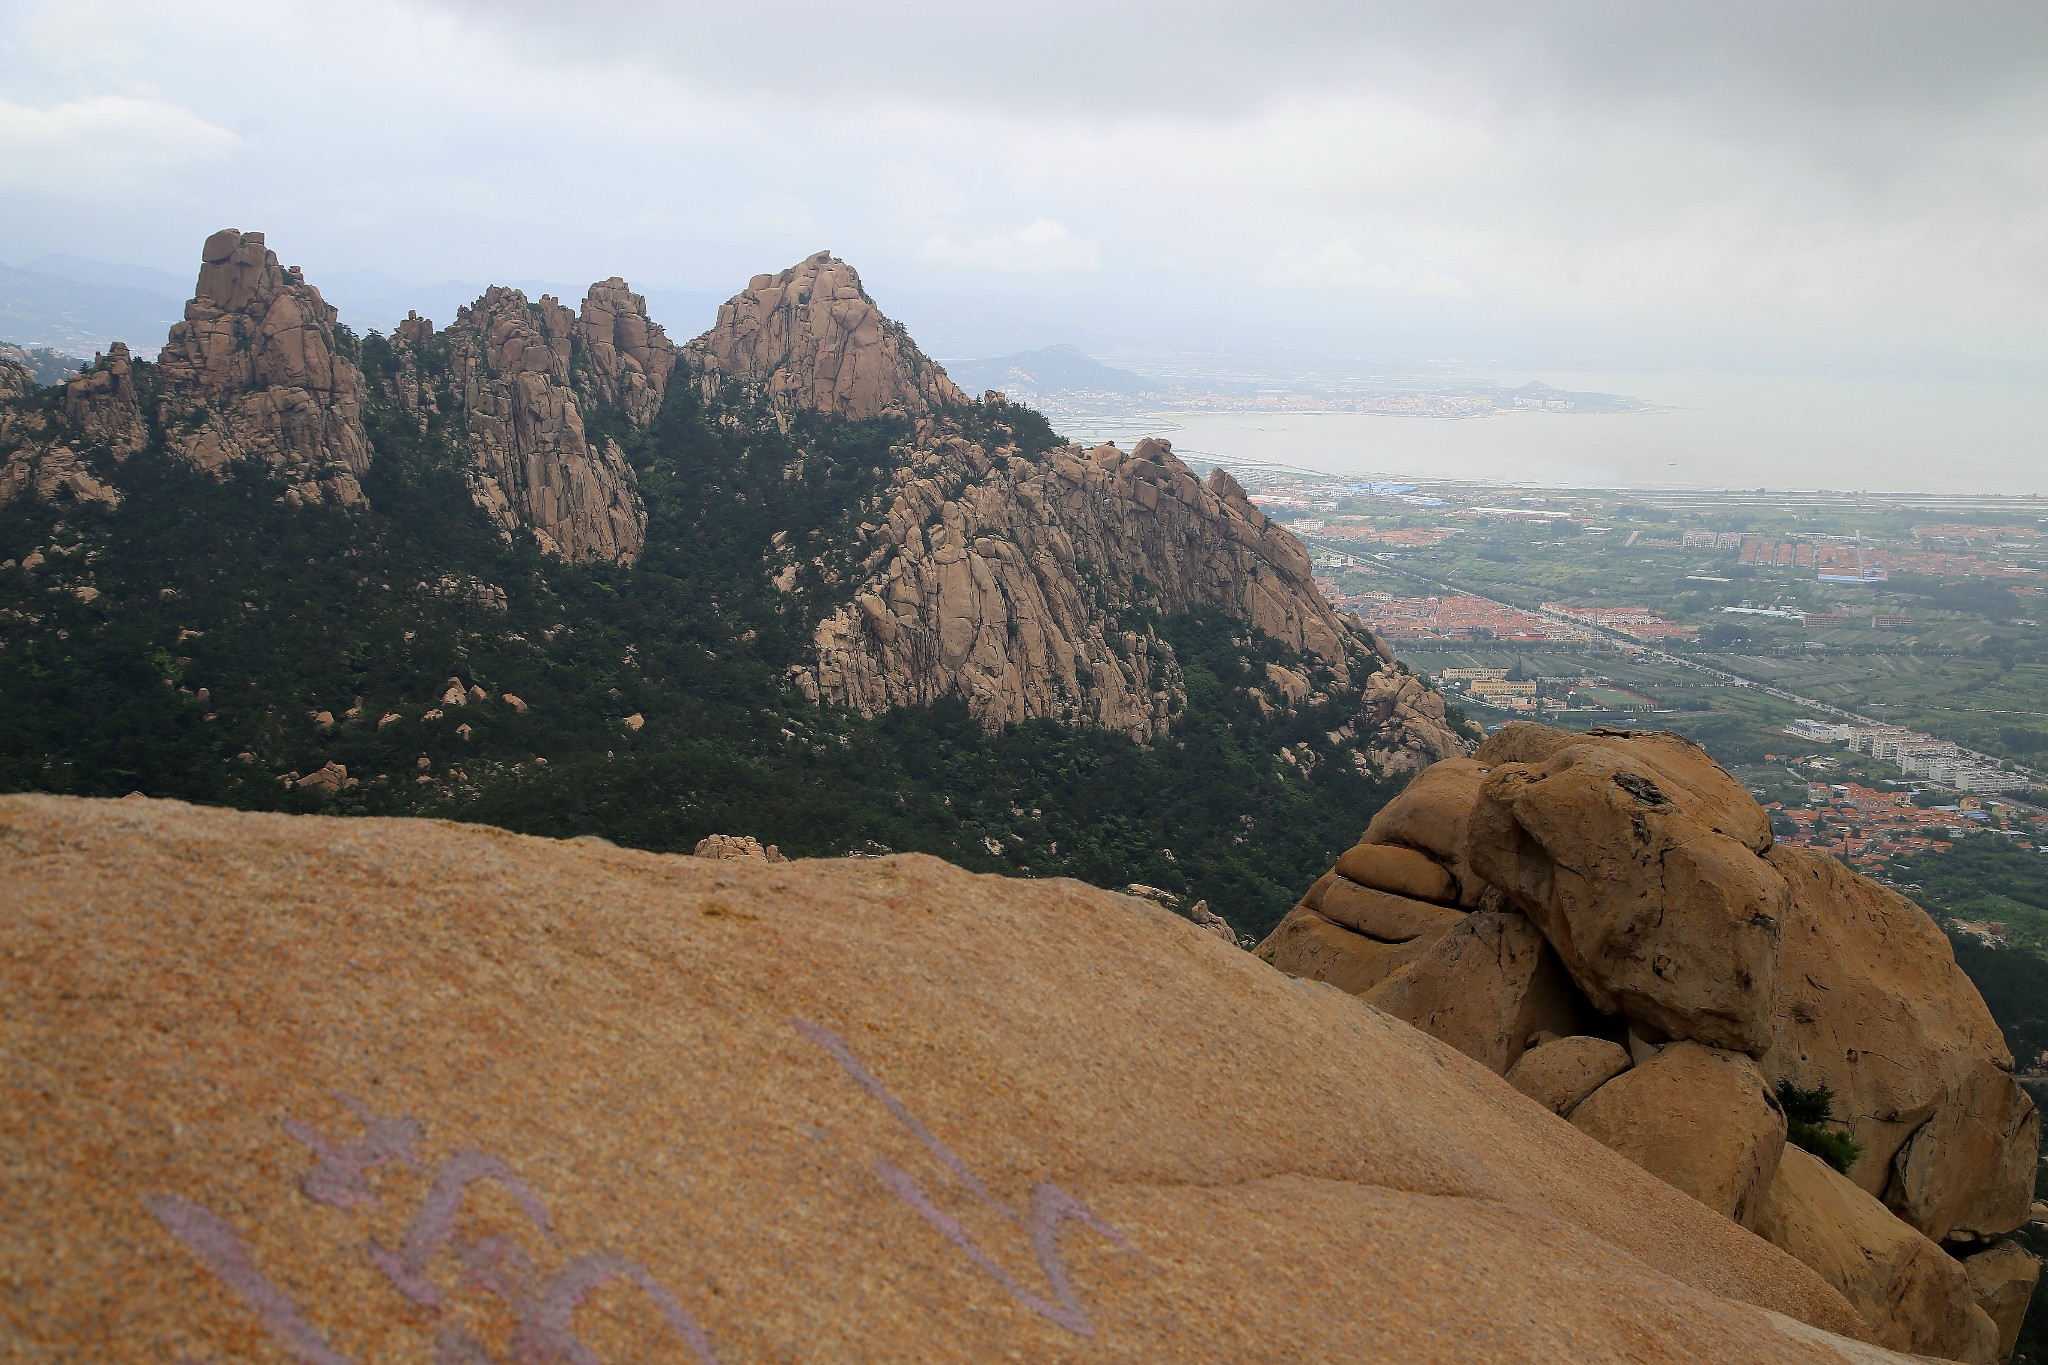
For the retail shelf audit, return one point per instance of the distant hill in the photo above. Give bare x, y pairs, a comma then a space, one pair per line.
1056, 369
44, 365
39, 309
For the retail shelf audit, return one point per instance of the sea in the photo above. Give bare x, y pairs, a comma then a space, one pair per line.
1703, 430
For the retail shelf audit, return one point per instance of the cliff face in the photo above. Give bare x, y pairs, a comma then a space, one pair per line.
813, 339
627, 356
252, 373
520, 373
531, 462
1006, 579
101, 416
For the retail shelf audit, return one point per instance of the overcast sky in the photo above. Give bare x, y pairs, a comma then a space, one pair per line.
1845, 182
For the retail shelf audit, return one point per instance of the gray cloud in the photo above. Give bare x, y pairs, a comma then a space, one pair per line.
1821, 178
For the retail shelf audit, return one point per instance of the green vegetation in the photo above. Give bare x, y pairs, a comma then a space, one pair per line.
1807, 1112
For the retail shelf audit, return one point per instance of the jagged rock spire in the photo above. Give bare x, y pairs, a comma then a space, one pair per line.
814, 340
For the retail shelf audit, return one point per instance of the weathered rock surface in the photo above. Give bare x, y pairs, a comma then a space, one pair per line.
1645, 879
996, 579
102, 416
1307, 945
365, 1089
1484, 986
1433, 814
1000, 578
1559, 1074
1398, 871
532, 464
1639, 862
253, 373
628, 356
1698, 1118
1873, 1005
813, 339
1915, 1296
744, 847
2002, 1280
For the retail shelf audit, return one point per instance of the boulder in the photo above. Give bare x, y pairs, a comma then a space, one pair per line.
1560, 1073
740, 847
1433, 813
1698, 1118
1401, 871
1683, 770
2002, 1281
1915, 1296
1307, 945
330, 779
1484, 986
290, 1088
1874, 1006
1377, 914
1210, 922
1658, 914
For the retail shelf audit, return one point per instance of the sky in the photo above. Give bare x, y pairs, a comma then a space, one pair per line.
1857, 186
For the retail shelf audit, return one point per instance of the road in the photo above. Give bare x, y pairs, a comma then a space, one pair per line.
1724, 675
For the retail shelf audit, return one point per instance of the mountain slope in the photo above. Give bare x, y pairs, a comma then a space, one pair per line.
667, 555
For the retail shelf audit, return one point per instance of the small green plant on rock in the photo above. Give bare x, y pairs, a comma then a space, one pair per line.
1806, 1114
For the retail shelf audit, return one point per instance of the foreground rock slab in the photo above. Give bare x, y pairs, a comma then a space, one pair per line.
321, 1090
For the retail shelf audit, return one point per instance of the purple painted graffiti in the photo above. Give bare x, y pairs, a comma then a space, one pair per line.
1051, 1207
337, 1178
546, 1336
434, 1224
217, 1246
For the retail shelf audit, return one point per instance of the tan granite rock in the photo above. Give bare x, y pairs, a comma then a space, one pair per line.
813, 339
102, 416
1487, 982
1699, 1118
1307, 945
1915, 1297
102, 407
1433, 814
1873, 1005
289, 1088
254, 373
998, 580
627, 355
2002, 1280
1659, 913
1559, 1074
1401, 871
532, 465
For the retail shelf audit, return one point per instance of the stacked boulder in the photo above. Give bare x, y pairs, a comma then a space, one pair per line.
1604, 920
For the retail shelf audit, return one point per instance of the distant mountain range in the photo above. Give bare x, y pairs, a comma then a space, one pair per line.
1054, 369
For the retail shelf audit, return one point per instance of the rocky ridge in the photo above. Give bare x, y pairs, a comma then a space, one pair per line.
1025, 582
512, 371
1002, 578
408, 1088
102, 415
254, 373
1605, 920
